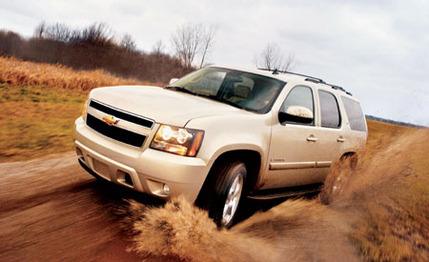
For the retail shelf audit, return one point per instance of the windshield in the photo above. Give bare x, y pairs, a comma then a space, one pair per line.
244, 90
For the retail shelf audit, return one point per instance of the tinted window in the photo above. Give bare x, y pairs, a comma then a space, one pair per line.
329, 110
354, 114
299, 96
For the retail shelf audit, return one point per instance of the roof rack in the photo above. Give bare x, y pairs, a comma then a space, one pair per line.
307, 78
314, 80
340, 88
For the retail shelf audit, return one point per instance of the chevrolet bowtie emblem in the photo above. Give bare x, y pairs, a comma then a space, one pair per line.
110, 120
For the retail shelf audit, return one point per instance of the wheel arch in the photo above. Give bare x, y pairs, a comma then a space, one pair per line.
252, 158
348, 153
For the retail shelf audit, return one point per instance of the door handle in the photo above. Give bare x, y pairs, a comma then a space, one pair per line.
341, 139
312, 138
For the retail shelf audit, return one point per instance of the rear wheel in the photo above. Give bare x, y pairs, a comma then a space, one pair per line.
227, 192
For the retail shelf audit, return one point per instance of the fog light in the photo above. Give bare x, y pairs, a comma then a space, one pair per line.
166, 189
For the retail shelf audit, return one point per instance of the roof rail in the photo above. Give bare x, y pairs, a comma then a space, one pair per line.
340, 88
307, 78
314, 80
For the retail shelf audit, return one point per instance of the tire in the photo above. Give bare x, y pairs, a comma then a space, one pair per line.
227, 192
338, 177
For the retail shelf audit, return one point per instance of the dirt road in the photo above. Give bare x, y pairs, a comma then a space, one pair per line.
51, 210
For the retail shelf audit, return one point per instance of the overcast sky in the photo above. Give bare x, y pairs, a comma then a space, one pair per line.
378, 51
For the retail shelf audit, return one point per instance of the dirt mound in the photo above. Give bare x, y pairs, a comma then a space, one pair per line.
378, 209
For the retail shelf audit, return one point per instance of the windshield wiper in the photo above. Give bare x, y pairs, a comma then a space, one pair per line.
180, 89
211, 97
184, 90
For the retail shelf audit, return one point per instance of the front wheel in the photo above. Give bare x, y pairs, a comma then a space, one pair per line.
228, 191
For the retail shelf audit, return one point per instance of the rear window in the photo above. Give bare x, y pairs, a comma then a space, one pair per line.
329, 110
354, 114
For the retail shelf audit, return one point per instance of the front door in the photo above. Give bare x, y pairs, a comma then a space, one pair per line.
294, 146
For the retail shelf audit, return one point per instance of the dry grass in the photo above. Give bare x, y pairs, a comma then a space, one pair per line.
389, 191
19, 73
39, 103
36, 121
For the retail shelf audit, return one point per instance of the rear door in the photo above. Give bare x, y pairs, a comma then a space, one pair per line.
330, 134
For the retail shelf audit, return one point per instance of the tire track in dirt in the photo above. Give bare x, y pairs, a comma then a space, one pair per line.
51, 210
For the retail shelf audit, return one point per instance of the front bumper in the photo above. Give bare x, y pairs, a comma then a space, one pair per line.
142, 169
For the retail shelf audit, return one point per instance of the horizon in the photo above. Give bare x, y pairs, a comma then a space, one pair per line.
374, 51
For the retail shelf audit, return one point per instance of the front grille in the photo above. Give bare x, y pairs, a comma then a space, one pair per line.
122, 114
114, 132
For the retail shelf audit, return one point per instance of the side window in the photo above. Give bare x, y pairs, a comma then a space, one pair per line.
301, 96
354, 114
329, 110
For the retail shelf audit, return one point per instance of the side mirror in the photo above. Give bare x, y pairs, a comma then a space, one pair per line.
172, 80
297, 114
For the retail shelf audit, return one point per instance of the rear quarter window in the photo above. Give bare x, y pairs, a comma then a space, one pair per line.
354, 114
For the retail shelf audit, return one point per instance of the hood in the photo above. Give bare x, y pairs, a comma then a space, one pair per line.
161, 105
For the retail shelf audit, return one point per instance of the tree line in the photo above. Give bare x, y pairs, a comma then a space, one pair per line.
98, 47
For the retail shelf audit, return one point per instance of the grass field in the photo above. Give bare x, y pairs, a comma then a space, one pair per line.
36, 120
39, 103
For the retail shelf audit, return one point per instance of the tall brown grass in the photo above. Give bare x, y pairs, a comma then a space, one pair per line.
39, 103
21, 73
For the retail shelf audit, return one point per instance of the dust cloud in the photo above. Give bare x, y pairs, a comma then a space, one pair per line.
325, 228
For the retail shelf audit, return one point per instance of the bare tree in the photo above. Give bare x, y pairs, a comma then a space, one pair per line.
98, 34
192, 40
57, 32
272, 58
207, 43
128, 43
40, 29
158, 48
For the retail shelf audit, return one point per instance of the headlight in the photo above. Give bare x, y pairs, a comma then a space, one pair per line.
177, 140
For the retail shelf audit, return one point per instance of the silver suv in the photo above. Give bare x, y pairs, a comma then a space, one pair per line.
220, 134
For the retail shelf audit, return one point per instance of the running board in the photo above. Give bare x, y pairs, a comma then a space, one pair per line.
269, 194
